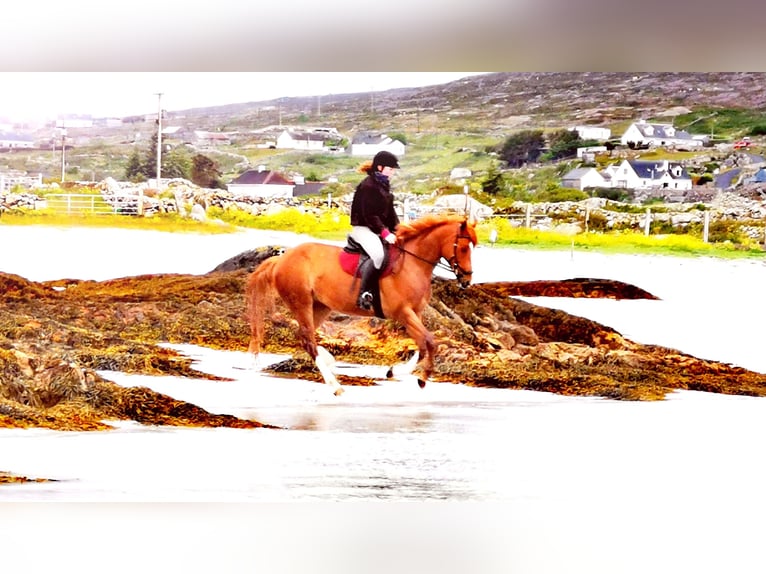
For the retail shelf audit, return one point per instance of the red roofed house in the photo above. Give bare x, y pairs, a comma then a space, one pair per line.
262, 182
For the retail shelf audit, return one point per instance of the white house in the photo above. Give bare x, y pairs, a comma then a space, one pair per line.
308, 140
9, 180
367, 144
661, 135
592, 133
583, 177
212, 138
12, 140
74, 122
646, 174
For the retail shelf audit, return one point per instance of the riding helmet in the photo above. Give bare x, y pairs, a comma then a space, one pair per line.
384, 159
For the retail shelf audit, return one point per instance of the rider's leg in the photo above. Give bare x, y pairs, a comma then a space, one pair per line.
370, 269
369, 275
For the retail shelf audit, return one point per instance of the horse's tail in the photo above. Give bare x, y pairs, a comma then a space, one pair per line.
259, 299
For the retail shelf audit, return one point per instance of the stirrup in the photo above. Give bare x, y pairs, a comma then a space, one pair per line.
365, 300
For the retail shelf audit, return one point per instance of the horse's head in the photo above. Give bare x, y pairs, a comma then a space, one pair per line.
460, 257
435, 237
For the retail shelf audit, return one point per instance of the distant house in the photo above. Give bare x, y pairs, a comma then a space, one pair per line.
303, 187
264, 183
368, 144
13, 140
176, 133
308, 140
645, 174
583, 177
11, 179
592, 133
74, 121
261, 182
658, 135
212, 138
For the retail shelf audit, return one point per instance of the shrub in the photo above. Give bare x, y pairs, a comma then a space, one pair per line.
560, 194
597, 221
612, 193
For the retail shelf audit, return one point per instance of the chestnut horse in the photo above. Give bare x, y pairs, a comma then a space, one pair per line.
311, 283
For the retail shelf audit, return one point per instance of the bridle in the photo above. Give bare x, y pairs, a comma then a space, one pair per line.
452, 263
455, 266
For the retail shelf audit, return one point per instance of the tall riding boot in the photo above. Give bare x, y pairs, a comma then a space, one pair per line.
368, 277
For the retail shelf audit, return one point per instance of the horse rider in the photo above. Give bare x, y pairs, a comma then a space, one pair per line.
373, 219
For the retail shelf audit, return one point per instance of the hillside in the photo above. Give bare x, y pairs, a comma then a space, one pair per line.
497, 101
445, 126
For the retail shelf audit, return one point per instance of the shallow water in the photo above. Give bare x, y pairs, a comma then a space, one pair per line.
541, 482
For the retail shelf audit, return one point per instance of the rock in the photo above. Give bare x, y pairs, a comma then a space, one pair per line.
249, 260
198, 212
54, 342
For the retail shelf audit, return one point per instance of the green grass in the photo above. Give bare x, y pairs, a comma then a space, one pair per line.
622, 242
334, 225
168, 222
329, 224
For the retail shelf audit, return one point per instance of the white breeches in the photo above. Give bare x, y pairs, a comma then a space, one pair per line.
371, 243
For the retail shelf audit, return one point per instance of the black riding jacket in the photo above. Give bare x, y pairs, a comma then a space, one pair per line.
373, 205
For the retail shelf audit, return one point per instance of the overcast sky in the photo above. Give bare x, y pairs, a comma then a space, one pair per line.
40, 95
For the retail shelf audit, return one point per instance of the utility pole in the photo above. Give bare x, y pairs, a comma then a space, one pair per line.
63, 155
159, 139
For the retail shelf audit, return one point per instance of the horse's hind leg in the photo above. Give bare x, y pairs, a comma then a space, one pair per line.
309, 317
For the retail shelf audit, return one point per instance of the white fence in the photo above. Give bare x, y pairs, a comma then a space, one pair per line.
71, 203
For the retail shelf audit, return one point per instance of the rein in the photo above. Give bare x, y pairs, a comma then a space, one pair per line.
452, 264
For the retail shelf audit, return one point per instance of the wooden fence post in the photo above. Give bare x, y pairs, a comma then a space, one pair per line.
706, 228
648, 221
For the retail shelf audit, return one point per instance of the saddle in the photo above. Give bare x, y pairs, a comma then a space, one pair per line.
353, 257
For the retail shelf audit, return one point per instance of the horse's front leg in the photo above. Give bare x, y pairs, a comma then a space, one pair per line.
426, 345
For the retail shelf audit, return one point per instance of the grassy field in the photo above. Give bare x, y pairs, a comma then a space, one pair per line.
165, 222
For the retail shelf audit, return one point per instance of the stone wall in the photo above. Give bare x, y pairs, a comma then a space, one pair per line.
747, 206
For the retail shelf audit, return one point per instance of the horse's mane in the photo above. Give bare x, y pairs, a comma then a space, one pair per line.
410, 229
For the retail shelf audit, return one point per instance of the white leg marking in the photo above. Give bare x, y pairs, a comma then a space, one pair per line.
325, 362
404, 369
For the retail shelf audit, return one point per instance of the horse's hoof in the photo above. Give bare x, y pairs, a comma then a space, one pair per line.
421, 383
338, 391
390, 373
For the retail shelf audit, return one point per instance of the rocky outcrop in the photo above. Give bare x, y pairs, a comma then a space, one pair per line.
56, 336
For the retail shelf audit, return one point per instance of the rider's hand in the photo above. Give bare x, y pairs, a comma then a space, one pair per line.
390, 238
